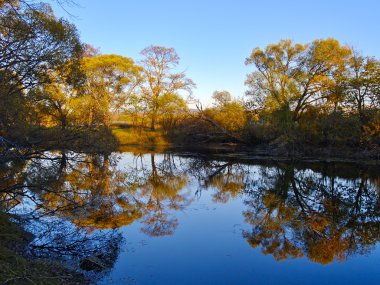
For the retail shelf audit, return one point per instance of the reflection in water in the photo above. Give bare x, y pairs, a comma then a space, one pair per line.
301, 212
227, 178
161, 191
70, 197
75, 204
326, 214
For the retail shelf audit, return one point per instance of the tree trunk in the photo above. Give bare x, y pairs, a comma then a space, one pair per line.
63, 123
153, 123
90, 118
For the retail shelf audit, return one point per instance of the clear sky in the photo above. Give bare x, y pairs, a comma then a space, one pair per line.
213, 38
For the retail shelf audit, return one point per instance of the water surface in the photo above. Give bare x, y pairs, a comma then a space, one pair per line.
149, 218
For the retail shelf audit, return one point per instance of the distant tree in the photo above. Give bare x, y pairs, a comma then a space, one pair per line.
228, 114
221, 97
160, 79
362, 84
173, 108
231, 116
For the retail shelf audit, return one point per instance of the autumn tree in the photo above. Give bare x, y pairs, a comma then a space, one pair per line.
227, 116
34, 44
294, 77
56, 97
362, 84
221, 97
173, 108
110, 79
160, 79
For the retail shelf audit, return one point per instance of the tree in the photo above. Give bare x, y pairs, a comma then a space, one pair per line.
294, 77
110, 79
159, 78
34, 45
173, 108
34, 42
221, 97
227, 116
56, 97
231, 116
361, 84
54, 100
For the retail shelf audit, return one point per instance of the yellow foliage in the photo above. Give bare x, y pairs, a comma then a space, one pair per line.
230, 115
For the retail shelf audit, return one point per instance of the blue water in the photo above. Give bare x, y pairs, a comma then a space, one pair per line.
208, 248
169, 219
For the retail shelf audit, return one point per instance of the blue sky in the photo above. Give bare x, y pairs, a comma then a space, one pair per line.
213, 38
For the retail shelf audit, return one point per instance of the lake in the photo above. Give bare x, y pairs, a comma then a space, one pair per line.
189, 218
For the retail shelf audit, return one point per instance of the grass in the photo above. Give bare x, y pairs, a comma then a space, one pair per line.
142, 137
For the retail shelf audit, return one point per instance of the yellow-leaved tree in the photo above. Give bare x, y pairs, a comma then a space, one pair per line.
293, 77
110, 80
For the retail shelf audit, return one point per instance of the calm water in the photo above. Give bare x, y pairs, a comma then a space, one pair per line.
145, 218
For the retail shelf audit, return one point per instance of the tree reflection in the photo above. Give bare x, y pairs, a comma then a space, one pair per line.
227, 178
300, 212
12, 190
74, 204
93, 191
322, 212
325, 212
161, 191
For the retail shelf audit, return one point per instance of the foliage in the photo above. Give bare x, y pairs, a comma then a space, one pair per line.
231, 115
320, 93
110, 79
295, 76
34, 44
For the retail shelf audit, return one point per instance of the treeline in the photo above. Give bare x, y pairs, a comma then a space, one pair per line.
49, 79
318, 94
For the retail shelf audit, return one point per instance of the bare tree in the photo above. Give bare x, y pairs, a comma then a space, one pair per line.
160, 79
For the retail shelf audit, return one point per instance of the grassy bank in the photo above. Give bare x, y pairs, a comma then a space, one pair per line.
16, 268
76, 139
140, 136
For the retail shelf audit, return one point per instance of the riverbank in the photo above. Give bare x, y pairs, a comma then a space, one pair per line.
133, 140
306, 154
100, 140
17, 268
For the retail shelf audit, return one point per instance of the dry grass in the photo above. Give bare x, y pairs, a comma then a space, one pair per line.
143, 137
17, 269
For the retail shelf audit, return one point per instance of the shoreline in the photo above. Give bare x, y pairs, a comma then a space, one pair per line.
264, 152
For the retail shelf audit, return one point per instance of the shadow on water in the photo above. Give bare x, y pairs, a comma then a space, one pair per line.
76, 205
